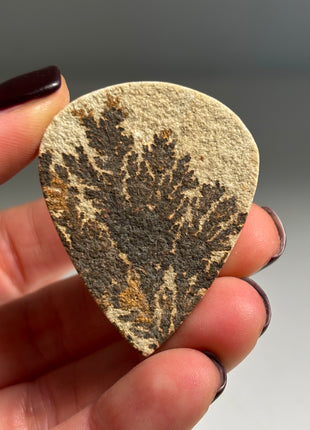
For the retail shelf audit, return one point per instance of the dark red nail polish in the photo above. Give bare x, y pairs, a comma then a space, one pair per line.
29, 86
265, 299
281, 232
221, 370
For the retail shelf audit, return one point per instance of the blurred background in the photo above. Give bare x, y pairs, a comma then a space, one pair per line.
253, 55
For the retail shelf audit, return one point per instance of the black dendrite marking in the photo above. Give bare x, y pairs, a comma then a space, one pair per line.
142, 200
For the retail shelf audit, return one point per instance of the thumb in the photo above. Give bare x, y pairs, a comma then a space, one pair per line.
27, 105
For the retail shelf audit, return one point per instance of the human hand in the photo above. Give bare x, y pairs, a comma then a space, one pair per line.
62, 364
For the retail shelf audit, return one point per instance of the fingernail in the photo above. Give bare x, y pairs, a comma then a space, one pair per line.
281, 232
33, 85
221, 370
265, 299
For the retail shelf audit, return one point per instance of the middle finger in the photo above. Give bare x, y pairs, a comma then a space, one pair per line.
32, 254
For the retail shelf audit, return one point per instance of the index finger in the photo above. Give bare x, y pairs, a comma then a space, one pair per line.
23, 120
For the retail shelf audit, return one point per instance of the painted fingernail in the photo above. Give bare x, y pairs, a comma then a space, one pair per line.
33, 85
221, 370
281, 232
265, 299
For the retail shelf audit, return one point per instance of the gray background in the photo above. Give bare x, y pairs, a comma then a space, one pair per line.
252, 55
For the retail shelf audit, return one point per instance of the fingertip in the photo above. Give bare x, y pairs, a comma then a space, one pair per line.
237, 318
60, 98
55, 101
257, 244
65, 89
22, 128
222, 372
227, 321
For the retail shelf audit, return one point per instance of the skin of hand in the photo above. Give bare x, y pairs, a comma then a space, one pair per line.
62, 364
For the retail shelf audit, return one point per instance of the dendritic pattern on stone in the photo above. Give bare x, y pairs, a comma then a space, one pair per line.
145, 235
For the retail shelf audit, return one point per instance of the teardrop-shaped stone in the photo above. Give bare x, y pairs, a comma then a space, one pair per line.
149, 185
